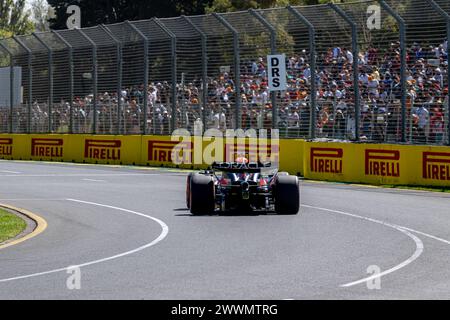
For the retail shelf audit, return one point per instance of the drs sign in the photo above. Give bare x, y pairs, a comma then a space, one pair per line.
276, 68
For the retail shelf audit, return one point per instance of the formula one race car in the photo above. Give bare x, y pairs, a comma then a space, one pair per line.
242, 186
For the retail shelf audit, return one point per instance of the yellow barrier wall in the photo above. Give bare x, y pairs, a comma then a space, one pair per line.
157, 150
377, 163
345, 162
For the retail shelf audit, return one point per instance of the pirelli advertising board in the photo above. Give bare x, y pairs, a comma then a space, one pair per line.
106, 149
378, 164
32, 147
6, 148
199, 153
71, 148
344, 162
47, 148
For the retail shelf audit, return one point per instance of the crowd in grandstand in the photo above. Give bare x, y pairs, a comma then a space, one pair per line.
379, 78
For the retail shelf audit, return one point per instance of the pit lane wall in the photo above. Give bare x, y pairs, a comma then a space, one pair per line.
330, 161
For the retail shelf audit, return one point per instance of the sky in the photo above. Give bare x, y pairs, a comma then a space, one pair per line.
29, 2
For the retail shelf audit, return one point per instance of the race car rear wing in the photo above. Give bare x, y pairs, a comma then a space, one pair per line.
236, 167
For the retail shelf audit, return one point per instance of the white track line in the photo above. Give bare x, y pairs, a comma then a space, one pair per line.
165, 231
7, 171
93, 180
417, 241
29, 199
80, 175
91, 175
427, 235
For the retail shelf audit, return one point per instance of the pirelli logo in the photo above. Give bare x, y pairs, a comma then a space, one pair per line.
436, 166
253, 152
326, 160
6, 146
382, 163
47, 147
102, 149
161, 151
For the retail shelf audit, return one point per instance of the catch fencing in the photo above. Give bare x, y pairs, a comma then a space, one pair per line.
363, 71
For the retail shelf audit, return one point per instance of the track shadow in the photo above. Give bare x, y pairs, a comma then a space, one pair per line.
221, 214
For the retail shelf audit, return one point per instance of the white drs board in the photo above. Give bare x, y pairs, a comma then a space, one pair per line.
276, 72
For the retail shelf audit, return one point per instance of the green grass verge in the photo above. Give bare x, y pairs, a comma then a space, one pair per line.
10, 225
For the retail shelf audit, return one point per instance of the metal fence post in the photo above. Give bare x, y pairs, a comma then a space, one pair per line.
404, 66
446, 16
273, 50
71, 83
11, 87
30, 81
237, 65
204, 68
355, 52
145, 39
312, 53
11, 94
173, 47
50, 81
94, 78
119, 75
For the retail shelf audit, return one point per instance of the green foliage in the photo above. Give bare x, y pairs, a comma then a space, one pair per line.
41, 12
239, 5
113, 11
14, 19
5, 34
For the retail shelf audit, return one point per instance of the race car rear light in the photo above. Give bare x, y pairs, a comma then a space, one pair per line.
224, 182
262, 182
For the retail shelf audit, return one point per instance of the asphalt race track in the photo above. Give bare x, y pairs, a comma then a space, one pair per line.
132, 237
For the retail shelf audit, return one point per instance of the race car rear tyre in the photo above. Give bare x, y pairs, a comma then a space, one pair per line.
287, 195
188, 190
202, 200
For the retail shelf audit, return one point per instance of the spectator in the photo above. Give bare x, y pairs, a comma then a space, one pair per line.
423, 118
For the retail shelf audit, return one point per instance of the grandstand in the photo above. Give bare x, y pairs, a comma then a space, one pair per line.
154, 76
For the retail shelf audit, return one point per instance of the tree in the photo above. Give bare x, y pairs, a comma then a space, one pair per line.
13, 18
238, 5
5, 34
41, 14
113, 11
